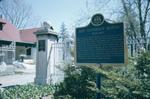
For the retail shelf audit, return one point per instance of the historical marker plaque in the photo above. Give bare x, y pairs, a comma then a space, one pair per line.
100, 42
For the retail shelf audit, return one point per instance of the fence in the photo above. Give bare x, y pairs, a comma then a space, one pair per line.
61, 57
7, 53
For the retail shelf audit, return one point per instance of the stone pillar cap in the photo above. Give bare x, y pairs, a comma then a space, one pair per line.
46, 29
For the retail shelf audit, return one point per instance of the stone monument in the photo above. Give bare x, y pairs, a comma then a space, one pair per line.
44, 63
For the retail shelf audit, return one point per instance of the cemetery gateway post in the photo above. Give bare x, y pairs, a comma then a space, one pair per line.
100, 42
44, 62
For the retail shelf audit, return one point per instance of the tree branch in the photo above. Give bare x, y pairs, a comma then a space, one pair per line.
146, 11
16, 11
128, 16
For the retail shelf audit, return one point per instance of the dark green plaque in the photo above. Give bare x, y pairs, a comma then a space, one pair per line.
100, 42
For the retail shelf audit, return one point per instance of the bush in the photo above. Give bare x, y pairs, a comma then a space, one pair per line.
130, 82
118, 82
27, 91
77, 84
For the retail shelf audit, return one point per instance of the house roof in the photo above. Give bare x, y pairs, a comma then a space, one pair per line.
27, 35
9, 32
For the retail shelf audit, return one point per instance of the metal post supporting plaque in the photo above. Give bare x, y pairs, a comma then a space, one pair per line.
98, 84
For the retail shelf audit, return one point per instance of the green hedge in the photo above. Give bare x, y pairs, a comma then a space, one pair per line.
30, 91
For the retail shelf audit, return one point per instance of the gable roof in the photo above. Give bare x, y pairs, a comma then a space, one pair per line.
28, 36
9, 32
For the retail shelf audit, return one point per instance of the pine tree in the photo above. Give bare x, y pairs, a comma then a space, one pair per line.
63, 32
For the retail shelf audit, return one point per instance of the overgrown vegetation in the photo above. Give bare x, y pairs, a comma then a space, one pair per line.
77, 84
119, 82
29, 91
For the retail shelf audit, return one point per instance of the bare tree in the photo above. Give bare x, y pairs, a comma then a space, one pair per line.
135, 14
140, 27
16, 11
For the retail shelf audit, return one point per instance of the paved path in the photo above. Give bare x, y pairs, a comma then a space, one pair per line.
17, 79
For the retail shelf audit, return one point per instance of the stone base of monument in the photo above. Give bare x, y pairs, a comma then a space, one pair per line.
42, 81
48, 97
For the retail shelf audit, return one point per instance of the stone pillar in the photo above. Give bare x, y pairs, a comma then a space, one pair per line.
44, 64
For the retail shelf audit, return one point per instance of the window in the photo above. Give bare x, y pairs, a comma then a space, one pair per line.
1, 26
41, 45
29, 51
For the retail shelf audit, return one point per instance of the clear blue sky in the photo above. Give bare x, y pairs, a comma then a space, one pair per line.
69, 11
58, 11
